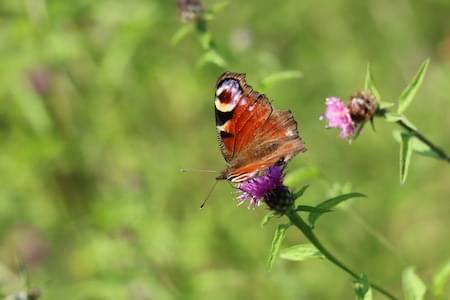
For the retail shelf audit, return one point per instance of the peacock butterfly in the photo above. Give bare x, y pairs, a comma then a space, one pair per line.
252, 135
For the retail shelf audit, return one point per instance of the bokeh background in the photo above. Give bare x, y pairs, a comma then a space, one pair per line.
99, 110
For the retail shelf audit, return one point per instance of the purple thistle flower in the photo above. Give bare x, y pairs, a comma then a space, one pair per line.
254, 189
338, 116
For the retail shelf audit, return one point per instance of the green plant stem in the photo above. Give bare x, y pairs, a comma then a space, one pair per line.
201, 26
441, 153
297, 220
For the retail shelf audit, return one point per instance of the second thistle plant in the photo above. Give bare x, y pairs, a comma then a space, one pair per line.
365, 105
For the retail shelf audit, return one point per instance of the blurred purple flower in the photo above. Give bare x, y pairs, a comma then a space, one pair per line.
338, 116
40, 80
254, 189
31, 244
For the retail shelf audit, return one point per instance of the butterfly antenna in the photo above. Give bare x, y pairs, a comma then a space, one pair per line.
209, 194
198, 170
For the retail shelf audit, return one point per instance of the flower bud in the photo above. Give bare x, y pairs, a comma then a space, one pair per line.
190, 10
362, 106
279, 199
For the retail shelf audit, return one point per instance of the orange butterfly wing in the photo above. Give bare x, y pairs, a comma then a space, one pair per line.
252, 135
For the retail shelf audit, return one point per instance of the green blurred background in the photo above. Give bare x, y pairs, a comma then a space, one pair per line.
99, 111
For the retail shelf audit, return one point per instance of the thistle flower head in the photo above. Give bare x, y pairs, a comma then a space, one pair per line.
279, 199
190, 10
256, 188
338, 116
362, 106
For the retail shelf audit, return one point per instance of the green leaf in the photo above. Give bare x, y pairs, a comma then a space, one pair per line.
413, 287
408, 94
301, 252
405, 155
369, 84
275, 78
181, 33
206, 41
213, 57
361, 286
385, 104
330, 203
440, 280
267, 218
215, 8
421, 148
308, 208
276, 243
417, 145
301, 191
394, 117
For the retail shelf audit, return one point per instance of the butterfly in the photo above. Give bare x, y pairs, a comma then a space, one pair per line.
252, 135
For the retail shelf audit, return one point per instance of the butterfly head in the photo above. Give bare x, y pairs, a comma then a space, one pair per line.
222, 175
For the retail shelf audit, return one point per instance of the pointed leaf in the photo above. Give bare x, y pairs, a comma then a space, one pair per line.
206, 40
330, 203
181, 33
440, 280
369, 84
267, 218
219, 6
417, 145
423, 149
405, 155
301, 191
410, 91
211, 13
394, 117
213, 57
315, 209
362, 289
385, 104
276, 243
413, 287
300, 252
280, 76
